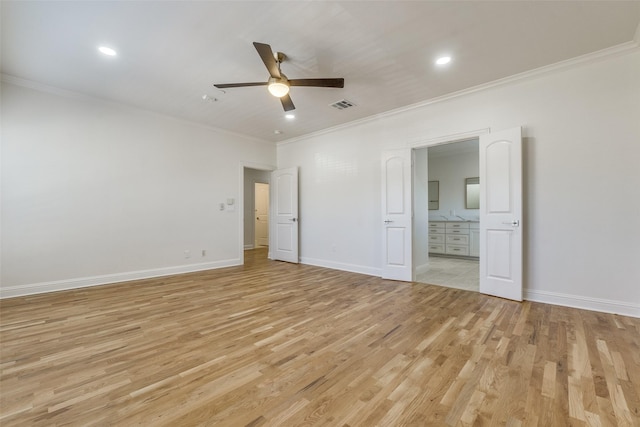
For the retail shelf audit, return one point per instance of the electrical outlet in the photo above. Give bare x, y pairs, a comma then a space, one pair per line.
187, 254
204, 252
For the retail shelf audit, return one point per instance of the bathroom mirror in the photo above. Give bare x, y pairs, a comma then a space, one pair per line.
472, 193
434, 195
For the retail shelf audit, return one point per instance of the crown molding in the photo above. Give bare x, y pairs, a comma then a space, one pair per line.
586, 59
41, 87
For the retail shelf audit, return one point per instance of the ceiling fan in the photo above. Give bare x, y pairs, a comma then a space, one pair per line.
278, 84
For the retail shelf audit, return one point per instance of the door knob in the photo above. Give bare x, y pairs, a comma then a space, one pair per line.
294, 219
514, 223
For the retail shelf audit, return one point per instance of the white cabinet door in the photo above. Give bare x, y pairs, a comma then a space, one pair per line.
396, 215
284, 202
501, 214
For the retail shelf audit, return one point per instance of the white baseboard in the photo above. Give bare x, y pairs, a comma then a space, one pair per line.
249, 246
369, 271
82, 282
595, 304
623, 308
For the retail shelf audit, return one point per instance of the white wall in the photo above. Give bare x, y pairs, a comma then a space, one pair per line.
94, 192
251, 176
421, 172
339, 188
451, 171
581, 208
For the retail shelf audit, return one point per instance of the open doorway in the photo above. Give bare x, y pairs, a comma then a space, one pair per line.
446, 229
282, 223
255, 228
261, 212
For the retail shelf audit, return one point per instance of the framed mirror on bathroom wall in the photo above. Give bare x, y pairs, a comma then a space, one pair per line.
434, 195
471, 193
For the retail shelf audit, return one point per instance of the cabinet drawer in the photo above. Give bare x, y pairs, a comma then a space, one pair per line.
458, 239
437, 226
457, 231
436, 238
436, 249
457, 250
457, 226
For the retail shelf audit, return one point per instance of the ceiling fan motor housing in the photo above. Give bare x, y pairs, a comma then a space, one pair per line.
283, 79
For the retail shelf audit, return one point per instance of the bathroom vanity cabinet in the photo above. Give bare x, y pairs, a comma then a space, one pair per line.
456, 238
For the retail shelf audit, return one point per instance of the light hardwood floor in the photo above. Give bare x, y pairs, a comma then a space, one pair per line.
272, 343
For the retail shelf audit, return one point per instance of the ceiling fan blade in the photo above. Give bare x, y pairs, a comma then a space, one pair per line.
227, 85
317, 82
265, 52
287, 103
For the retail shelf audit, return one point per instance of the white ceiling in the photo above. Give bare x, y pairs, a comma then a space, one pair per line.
171, 53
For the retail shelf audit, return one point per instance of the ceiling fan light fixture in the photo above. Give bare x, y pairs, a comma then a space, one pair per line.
278, 87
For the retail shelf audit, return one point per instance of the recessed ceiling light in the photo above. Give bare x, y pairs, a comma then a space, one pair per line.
290, 116
107, 51
443, 60
278, 132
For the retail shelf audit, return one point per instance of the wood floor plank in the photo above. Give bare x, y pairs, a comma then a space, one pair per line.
272, 343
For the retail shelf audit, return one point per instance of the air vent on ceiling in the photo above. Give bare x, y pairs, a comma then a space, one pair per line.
343, 104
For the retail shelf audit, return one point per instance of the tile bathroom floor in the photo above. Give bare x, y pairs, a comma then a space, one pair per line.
452, 272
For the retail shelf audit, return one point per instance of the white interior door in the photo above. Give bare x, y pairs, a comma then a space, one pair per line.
396, 215
284, 202
501, 214
262, 214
